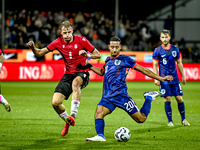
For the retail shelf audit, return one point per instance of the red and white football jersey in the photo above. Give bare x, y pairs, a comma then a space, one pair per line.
70, 52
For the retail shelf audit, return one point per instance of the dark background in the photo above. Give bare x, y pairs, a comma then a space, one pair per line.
135, 9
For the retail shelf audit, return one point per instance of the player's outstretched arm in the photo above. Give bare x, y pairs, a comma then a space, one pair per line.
36, 51
95, 54
151, 74
97, 70
155, 70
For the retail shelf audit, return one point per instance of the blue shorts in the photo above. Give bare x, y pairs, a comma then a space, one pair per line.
170, 89
124, 102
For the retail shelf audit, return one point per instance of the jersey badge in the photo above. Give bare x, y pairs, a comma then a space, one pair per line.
75, 46
117, 62
174, 53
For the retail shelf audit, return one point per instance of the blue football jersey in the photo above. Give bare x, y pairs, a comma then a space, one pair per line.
167, 61
116, 70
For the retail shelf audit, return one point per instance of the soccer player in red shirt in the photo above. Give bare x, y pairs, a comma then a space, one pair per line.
2, 99
74, 51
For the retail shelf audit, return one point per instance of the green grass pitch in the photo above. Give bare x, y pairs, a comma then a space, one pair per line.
33, 123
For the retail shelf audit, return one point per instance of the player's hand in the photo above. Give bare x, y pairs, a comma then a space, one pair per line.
157, 82
168, 78
183, 80
31, 44
83, 53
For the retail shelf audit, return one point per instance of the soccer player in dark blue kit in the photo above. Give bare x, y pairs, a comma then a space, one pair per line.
115, 93
166, 55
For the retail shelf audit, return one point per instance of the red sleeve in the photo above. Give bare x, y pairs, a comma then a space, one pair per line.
0, 51
52, 45
86, 44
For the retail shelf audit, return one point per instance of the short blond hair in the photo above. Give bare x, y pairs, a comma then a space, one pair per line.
65, 24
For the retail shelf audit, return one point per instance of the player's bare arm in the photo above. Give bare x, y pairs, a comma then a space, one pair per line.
155, 70
151, 74
180, 67
97, 70
95, 54
1, 61
36, 51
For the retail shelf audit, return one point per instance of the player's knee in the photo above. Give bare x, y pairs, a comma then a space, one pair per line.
139, 117
76, 84
98, 114
168, 99
141, 120
57, 99
55, 103
179, 99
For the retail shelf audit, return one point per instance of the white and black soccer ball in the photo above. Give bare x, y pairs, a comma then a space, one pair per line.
122, 134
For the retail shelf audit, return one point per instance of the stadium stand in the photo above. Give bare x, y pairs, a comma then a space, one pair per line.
43, 27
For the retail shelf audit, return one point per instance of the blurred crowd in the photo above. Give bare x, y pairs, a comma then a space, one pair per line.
43, 27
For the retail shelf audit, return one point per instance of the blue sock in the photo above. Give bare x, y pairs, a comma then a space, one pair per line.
181, 108
168, 111
146, 106
99, 126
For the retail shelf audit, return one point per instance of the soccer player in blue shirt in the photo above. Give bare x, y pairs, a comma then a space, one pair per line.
115, 93
167, 55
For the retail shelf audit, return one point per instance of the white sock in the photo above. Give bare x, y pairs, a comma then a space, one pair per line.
63, 115
2, 100
74, 107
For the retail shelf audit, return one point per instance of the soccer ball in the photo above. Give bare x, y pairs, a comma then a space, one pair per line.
122, 134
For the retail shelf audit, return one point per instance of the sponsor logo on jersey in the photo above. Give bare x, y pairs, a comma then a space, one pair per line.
163, 55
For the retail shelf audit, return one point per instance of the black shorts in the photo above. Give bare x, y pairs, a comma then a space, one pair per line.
65, 84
